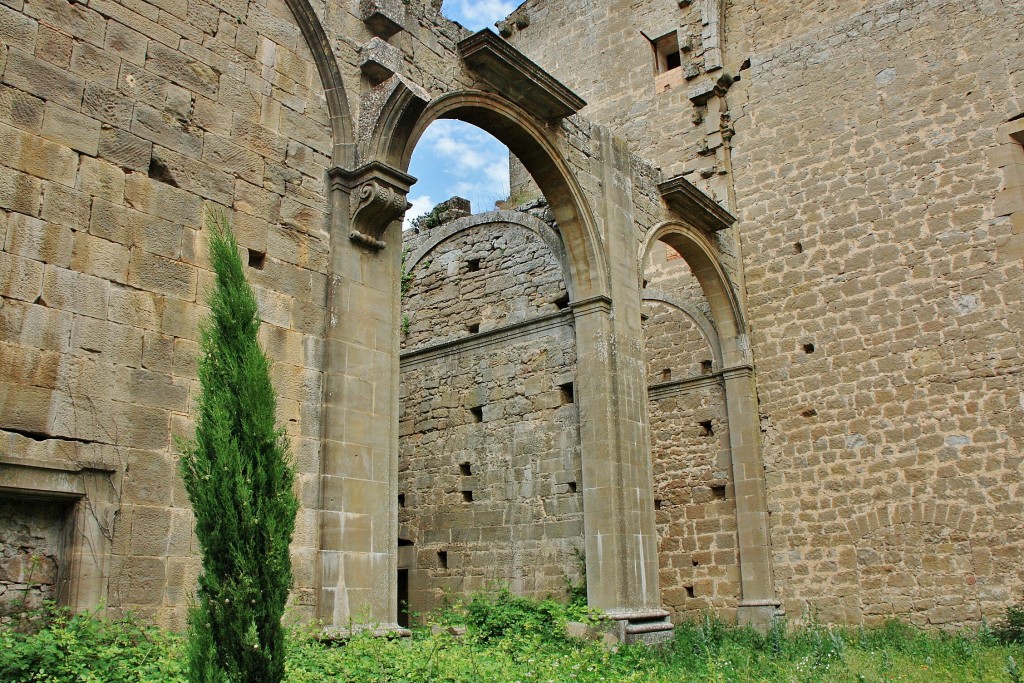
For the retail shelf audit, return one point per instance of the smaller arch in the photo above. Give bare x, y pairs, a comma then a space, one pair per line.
700, 255
545, 232
704, 325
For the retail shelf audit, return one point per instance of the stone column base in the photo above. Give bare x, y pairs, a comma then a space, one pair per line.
761, 614
650, 627
334, 633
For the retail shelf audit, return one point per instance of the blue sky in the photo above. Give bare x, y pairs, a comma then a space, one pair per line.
455, 158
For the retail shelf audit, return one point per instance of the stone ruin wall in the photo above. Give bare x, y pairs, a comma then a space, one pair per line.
489, 451
32, 557
869, 168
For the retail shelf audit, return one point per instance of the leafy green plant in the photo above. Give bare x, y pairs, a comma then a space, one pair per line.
239, 479
1010, 629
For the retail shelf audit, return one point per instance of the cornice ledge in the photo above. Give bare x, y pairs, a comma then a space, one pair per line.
693, 206
513, 75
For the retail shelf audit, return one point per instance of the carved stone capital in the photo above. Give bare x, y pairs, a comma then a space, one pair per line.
377, 197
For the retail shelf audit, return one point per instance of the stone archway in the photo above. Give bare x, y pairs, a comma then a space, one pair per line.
758, 602
359, 499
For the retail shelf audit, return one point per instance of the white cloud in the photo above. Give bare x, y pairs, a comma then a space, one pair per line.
420, 205
464, 160
476, 14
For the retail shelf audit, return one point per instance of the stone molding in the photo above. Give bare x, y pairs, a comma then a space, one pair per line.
377, 198
681, 387
512, 74
594, 304
561, 321
693, 206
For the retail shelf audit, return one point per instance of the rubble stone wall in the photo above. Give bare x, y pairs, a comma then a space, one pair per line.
32, 555
490, 472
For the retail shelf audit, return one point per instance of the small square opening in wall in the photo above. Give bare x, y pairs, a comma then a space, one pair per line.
472, 265
442, 559
572, 486
257, 259
667, 55
474, 328
808, 348
477, 413
689, 592
707, 429
666, 375
562, 302
467, 496
401, 500
718, 492
706, 367
466, 469
658, 502
567, 393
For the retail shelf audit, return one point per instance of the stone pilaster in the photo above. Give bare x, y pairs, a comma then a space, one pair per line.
359, 475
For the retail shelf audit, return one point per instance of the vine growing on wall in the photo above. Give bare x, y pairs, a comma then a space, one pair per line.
239, 478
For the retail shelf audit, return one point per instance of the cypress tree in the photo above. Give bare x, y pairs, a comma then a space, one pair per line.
239, 477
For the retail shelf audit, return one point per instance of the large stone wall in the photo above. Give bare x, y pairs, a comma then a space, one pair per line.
119, 123
489, 469
862, 147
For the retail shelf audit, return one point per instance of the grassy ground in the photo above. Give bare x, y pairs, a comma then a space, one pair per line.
510, 639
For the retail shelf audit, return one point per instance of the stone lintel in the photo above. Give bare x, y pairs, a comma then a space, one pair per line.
679, 387
1015, 129
693, 206
383, 17
377, 198
508, 71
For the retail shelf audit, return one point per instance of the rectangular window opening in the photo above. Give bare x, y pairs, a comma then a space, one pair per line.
718, 492
466, 469
442, 559
567, 393
689, 592
467, 496
666, 51
257, 259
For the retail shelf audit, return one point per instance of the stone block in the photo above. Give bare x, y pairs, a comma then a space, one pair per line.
164, 129
162, 275
65, 206
71, 129
193, 176
19, 192
101, 180
38, 240
37, 156
21, 109
75, 292
135, 308
384, 18
181, 69
125, 150
106, 104
125, 42
42, 79
20, 278
25, 408
231, 158
131, 228
379, 60
17, 30
107, 341
76, 20
163, 201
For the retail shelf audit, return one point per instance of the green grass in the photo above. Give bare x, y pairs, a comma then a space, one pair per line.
513, 639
